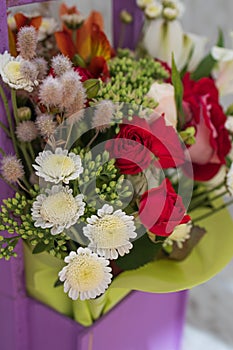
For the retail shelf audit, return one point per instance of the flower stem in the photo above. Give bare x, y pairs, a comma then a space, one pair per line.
204, 193
22, 186
200, 203
93, 139
14, 105
26, 157
213, 211
8, 114
4, 128
31, 151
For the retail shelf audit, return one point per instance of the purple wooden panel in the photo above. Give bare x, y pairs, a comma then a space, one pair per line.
3, 27
133, 29
22, 2
143, 321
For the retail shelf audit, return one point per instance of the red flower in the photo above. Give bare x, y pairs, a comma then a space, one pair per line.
203, 111
84, 73
137, 143
161, 209
131, 147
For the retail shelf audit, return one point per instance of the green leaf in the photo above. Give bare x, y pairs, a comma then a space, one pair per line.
58, 283
92, 87
79, 61
207, 64
144, 251
178, 87
40, 247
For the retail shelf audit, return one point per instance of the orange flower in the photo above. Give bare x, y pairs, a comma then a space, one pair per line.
88, 41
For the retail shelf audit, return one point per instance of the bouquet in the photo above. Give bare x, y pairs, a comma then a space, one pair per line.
115, 152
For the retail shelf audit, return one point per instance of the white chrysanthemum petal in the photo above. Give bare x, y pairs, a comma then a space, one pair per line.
10, 71
86, 276
110, 232
180, 234
58, 166
58, 209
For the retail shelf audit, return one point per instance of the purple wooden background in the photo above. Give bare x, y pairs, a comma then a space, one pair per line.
143, 321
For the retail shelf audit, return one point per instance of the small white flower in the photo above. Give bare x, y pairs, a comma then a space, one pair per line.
57, 209
10, 71
48, 27
176, 5
179, 235
230, 180
144, 3
109, 232
86, 276
229, 124
58, 166
153, 10
72, 20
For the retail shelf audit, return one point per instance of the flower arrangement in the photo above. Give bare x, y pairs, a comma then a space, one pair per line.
115, 151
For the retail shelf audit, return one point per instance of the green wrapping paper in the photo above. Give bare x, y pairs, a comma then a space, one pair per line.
212, 253
41, 272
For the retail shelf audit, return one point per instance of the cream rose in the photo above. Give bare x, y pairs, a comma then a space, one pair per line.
164, 95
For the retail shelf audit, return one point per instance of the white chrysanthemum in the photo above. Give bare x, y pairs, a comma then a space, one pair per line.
86, 276
230, 180
179, 235
229, 124
10, 71
109, 232
57, 209
153, 10
58, 166
48, 27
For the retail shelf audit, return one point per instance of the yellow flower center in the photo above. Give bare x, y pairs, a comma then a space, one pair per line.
85, 273
59, 208
12, 71
58, 165
110, 232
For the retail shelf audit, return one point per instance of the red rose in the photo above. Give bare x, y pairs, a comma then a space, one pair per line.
137, 143
130, 147
203, 111
161, 209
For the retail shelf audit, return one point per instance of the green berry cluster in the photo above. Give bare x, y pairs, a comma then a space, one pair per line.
100, 182
131, 80
16, 219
